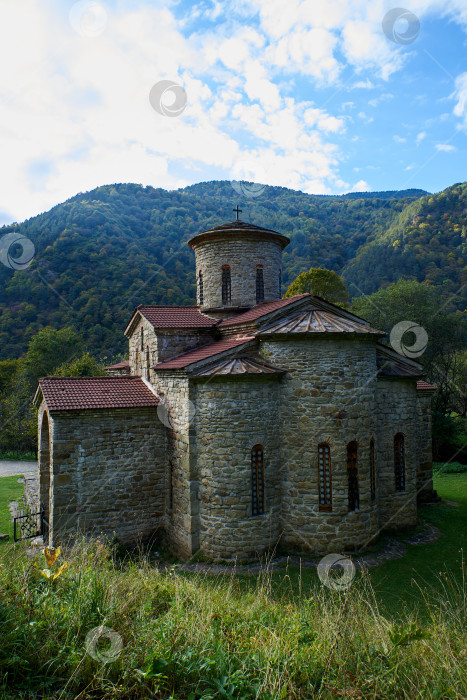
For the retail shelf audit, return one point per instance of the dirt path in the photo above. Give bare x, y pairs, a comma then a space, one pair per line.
8, 468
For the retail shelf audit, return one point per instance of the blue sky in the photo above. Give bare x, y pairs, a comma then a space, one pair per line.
307, 94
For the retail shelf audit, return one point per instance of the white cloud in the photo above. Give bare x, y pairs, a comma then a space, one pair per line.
310, 52
460, 109
445, 147
420, 136
361, 186
399, 139
364, 84
76, 114
385, 97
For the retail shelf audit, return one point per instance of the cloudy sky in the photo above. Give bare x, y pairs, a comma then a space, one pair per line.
318, 95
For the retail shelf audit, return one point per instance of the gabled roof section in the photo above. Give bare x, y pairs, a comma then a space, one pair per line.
260, 310
90, 393
120, 365
238, 228
207, 351
314, 320
238, 365
185, 317
425, 386
391, 364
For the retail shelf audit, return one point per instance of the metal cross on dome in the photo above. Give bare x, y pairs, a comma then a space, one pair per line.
237, 211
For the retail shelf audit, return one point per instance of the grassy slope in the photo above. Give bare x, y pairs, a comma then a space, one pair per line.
397, 583
10, 490
210, 638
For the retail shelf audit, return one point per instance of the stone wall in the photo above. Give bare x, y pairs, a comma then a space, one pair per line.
171, 343
242, 256
108, 469
137, 356
425, 491
327, 396
233, 414
181, 486
164, 344
397, 412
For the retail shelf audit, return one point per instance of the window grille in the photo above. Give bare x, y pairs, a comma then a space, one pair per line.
259, 284
352, 475
226, 285
399, 462
372, 471
171, 486
324, 477
257, 480
201, 288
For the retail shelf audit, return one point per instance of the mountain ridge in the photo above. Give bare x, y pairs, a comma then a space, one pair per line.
102, 252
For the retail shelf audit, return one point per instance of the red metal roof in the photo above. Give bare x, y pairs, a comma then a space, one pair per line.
425, 386
173, 317
266, 307
206, 351
80, 393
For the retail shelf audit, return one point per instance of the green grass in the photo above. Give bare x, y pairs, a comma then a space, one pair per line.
449, 468
400, 631
10, 490
400, 584
15, 456
397, 583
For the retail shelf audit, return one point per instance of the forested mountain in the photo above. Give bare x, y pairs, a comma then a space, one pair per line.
427, 241
101, 253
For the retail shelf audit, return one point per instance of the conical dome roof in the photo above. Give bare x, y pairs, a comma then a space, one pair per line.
238, 228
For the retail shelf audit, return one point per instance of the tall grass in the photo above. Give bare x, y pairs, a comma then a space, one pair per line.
197, 636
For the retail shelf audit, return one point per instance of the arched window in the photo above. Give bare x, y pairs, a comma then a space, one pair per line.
148, 359
280, 283
372, 471
259, 284
324, 477
399, 462
257, 480
200, 288
352, 475
226, 285
142, 338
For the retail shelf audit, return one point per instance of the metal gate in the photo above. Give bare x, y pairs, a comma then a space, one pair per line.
29, 525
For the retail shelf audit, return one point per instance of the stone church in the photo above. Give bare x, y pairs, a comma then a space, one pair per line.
240, 424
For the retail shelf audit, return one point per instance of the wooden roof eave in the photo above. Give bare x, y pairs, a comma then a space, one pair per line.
291, 335
38, 397
253, 367
134, 320
393, 355
397, 377
339, 311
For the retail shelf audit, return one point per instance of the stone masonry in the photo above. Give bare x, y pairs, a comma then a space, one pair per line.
168, 441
